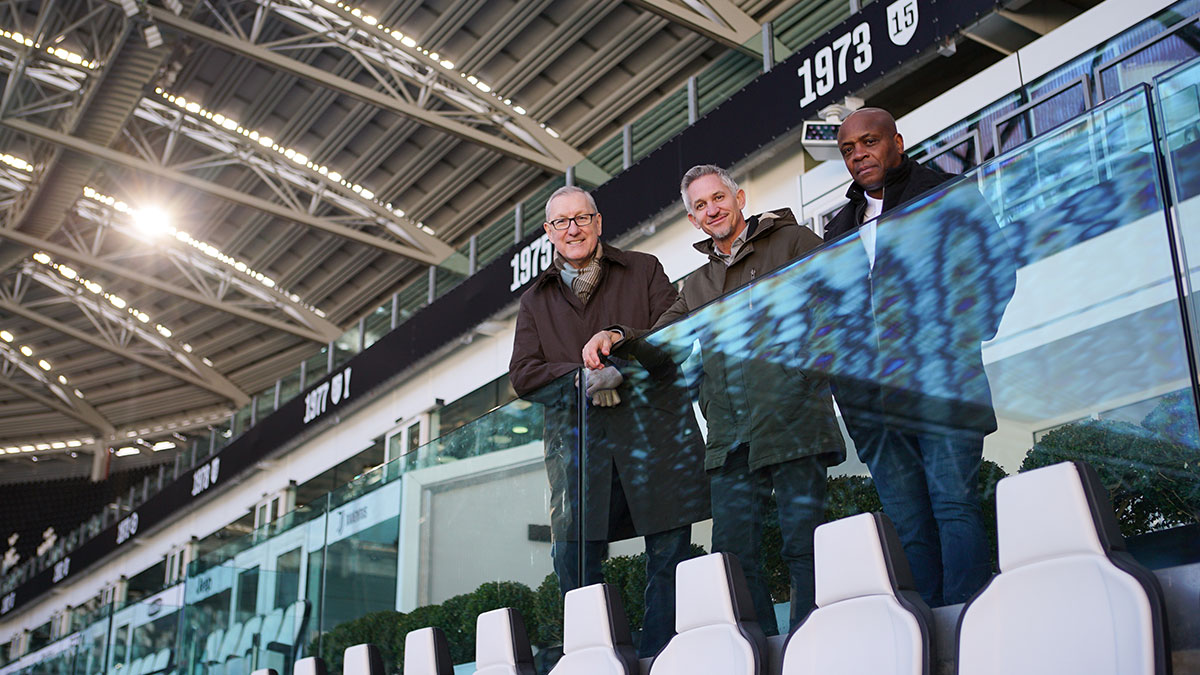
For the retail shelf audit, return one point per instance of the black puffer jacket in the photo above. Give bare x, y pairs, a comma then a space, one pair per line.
908, 328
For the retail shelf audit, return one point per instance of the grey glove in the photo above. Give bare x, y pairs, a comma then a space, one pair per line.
607, 377
606, 398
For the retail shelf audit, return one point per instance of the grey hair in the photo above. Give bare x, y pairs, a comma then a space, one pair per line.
699, 171
571, 190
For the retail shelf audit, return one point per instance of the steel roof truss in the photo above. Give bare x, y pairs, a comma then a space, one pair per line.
220, 191
61, 401
226, 143
719, 20
553, 155
217, 384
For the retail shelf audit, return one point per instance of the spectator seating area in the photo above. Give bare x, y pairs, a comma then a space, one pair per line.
1066, 601
27, 509
276, 635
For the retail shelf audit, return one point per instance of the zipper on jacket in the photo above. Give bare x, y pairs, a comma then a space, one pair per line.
752, 273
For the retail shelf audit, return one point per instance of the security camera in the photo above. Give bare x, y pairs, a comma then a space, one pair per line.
819, 137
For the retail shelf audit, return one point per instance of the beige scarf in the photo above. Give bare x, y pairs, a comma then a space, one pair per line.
588, 279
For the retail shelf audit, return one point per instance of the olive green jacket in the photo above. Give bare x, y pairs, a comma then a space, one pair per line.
752, 389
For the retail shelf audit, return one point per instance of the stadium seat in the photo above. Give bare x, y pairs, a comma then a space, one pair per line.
716, 631
501, 644
313, 665
426, 652
869, 617
271, 625
236, 661
596, 638
363, 659
212, 646
160, 663
295, 618
1068, 599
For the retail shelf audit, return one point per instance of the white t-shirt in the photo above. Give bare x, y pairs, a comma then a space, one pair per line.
867, 232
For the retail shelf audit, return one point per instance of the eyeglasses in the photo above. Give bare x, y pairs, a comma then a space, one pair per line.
582, 220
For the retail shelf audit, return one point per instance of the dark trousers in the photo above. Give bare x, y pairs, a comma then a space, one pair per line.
664, 550
929, 487
739, 504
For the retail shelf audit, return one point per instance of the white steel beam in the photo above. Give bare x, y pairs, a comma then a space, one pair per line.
718, 20
89, 260
109, 155
217, 138
541, 157
201, 374
63, 401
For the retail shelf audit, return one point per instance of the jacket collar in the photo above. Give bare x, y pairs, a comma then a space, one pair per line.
757, 226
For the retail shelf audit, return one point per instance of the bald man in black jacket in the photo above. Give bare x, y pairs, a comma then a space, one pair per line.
934, 282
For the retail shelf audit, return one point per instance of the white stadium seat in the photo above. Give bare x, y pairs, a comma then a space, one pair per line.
1068, 600
716, 631
313, 665
501, 644
426, 652
362, 660
869, 617
596, 638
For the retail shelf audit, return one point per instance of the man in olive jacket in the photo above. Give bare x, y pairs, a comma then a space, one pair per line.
770, 424
641, 449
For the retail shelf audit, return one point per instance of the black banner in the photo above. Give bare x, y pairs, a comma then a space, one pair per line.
860, 50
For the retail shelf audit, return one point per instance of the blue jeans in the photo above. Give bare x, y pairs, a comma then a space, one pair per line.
929, 487
739, 504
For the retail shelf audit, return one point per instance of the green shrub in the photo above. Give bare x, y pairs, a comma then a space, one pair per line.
548, 611
494, 595
383, 629
1152, 479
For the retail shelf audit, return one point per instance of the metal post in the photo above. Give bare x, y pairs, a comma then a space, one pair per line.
395, 313
432, 284
627, 146
471, 260
693, 100
362, 334
303, 373
329, 358
570, 175
768, 47
518, 222
278, 394
212, 440
254, 410
855, 5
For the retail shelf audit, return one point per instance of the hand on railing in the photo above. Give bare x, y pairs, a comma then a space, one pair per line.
599, 347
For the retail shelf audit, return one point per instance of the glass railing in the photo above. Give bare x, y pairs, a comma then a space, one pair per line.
1024, 314
138, 637
361, 571
1039, 292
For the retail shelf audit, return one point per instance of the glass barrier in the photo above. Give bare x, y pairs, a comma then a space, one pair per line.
1178, 97
1023, 315
453, 528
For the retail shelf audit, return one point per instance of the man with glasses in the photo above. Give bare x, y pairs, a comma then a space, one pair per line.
641, 451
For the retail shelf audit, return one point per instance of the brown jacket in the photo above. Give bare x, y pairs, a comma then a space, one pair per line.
650, 439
